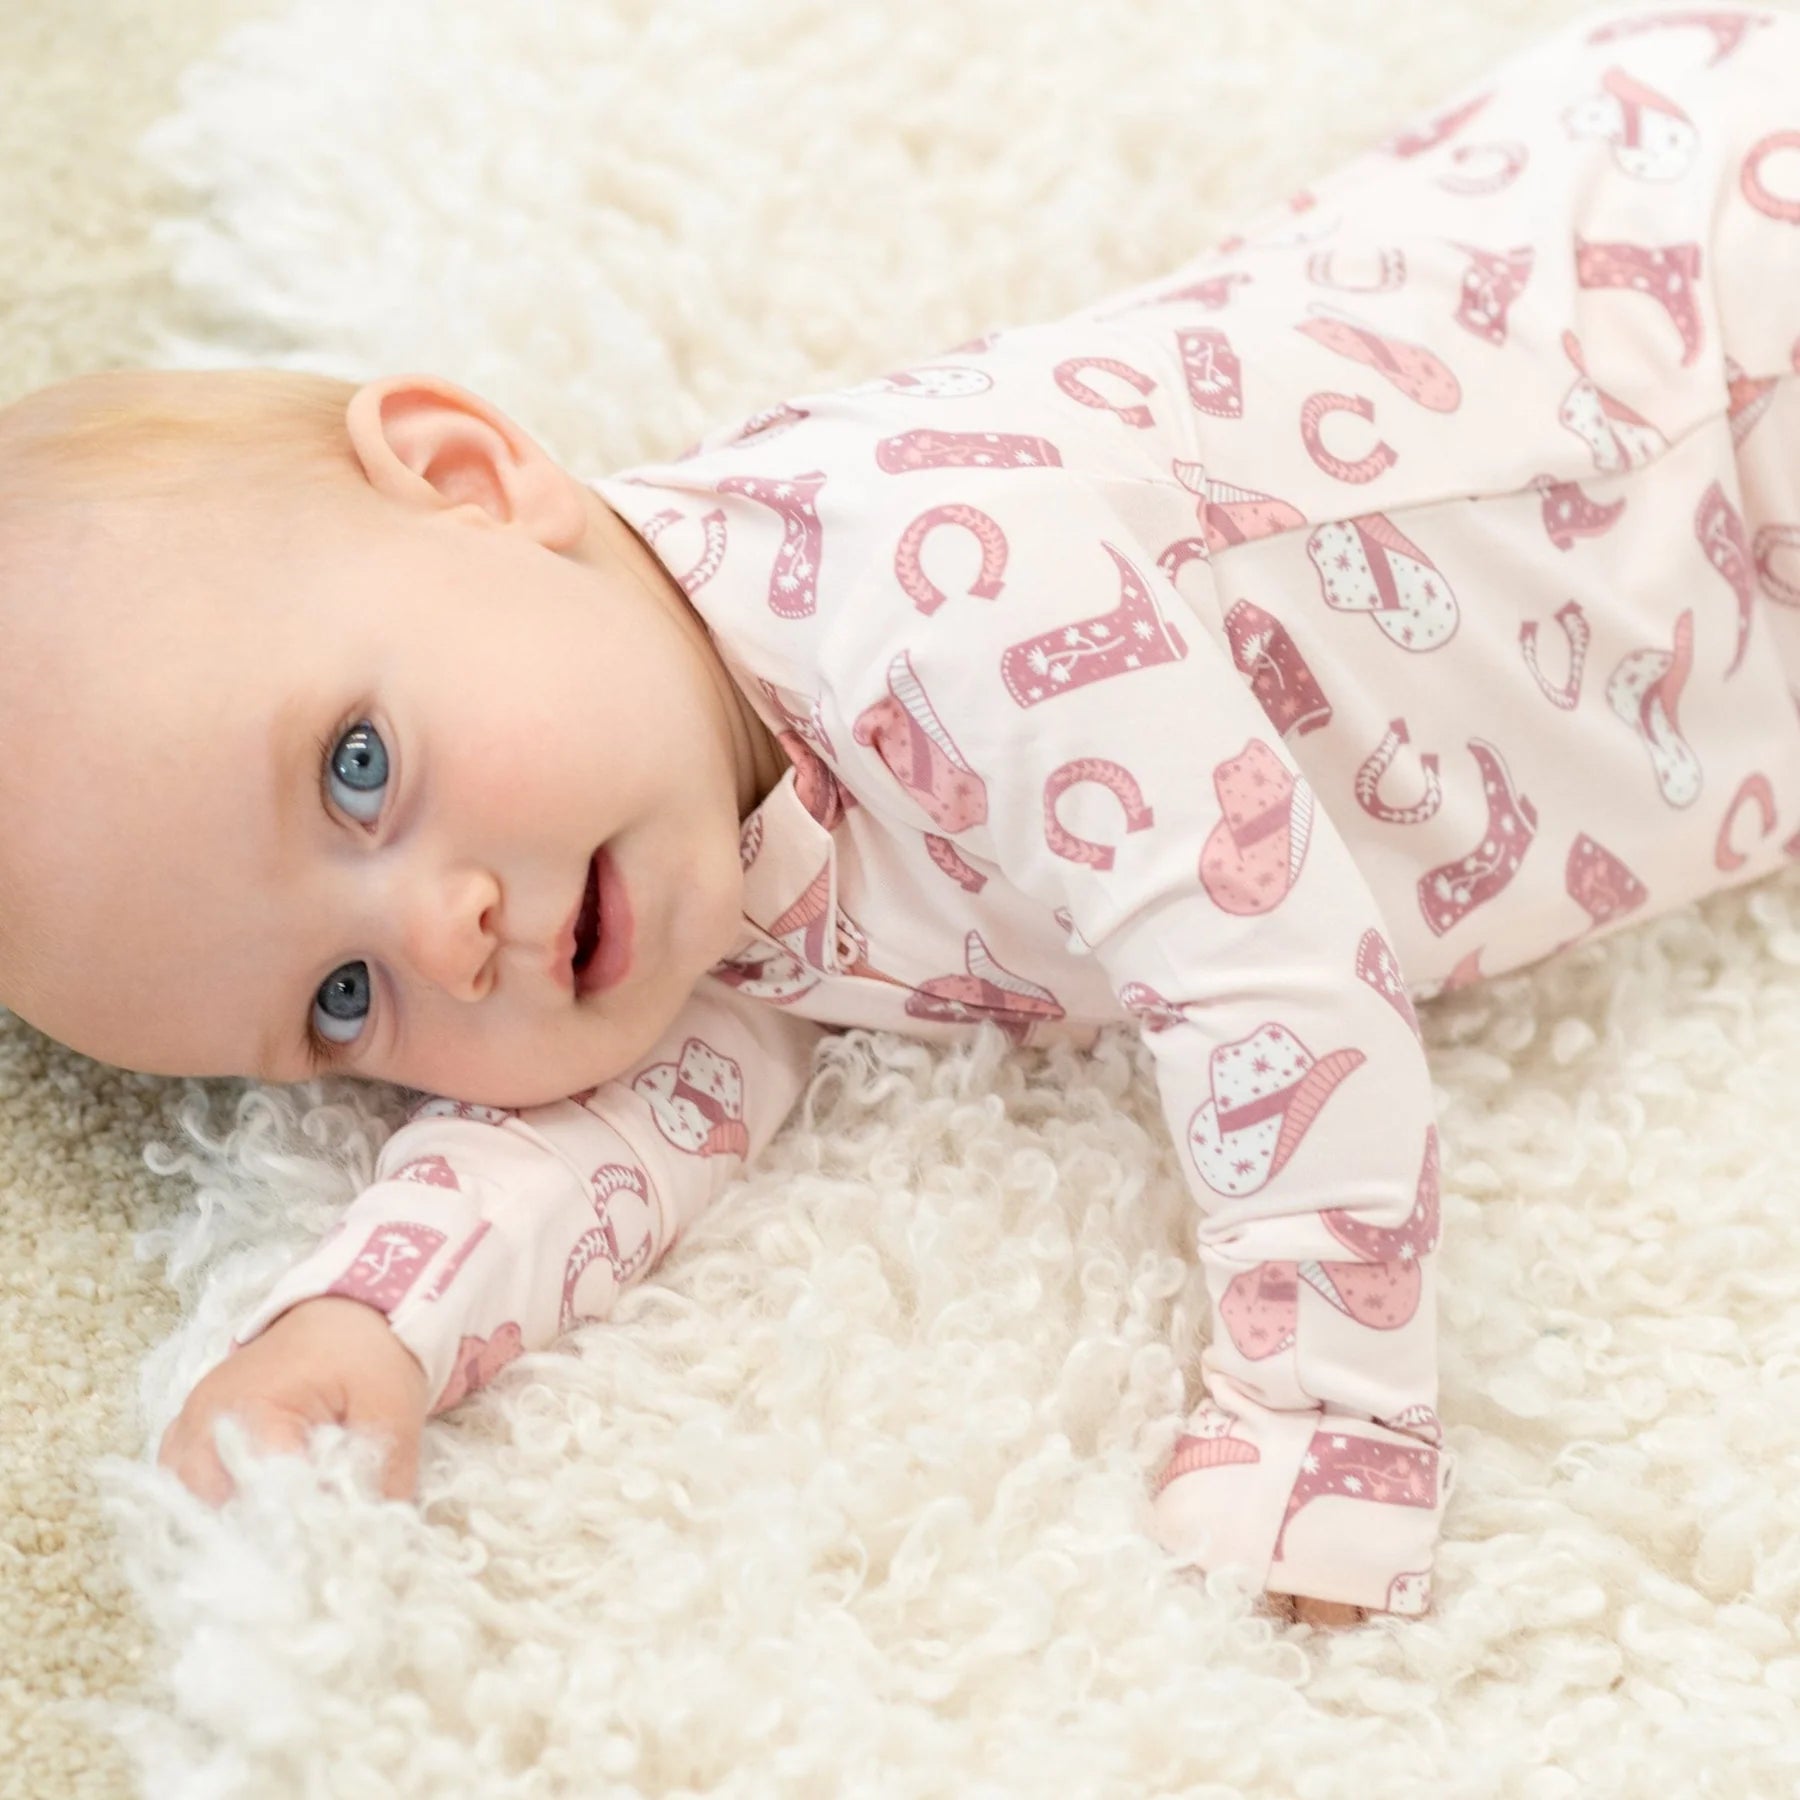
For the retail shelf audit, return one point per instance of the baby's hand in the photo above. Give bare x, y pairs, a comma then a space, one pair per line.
325, 1361
1297, 1609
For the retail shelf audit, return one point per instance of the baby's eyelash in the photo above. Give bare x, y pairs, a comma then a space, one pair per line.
327, 744
323, 1056
320, 1059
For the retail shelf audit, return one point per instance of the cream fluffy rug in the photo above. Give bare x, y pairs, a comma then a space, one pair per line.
851, 1497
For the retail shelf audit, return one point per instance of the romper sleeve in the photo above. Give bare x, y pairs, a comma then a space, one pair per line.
489, 1232
1085, 730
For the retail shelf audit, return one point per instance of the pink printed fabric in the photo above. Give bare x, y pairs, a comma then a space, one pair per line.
488, 1232
1404, 590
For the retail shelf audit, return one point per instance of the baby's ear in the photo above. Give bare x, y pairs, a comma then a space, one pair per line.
424, 441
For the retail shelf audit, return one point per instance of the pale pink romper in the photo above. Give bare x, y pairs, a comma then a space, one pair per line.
1403, 590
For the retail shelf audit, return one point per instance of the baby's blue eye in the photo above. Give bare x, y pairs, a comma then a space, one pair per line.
359, 761
342, 1003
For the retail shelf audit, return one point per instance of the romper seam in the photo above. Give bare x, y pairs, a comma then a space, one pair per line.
1513, 493
1196, 453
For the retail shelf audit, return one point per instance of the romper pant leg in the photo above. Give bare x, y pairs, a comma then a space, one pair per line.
1600, 740
1597, 719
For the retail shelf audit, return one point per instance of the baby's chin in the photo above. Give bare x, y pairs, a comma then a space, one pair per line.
477, 1098
479, 1087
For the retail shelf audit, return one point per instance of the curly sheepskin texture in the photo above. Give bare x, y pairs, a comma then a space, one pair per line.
851, 1497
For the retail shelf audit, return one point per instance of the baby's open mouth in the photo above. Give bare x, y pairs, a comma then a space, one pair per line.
587, 922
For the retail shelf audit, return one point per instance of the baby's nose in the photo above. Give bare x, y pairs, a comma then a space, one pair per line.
450, 940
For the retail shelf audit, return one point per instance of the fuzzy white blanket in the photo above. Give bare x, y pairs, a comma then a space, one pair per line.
851, 1497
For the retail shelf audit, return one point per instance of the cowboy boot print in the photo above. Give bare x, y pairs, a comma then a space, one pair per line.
1569, 514
1453, 890
1667, 274
1490, 284
912, 451
794, 580
1379, 967
1267, 656
1134, 635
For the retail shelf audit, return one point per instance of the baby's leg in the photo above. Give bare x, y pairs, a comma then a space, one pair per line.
1504, 512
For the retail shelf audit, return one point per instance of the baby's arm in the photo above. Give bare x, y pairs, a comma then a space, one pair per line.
486, 1234
1088, 734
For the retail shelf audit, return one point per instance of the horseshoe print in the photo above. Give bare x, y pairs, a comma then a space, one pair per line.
1118, 781
764, 427
1390, 272
1375, 765
1180, 553
1726, 25
1771, 540
626, 1251
1068, 378
1576, 630
1512, 160
1436, 131
1754, 788
1756, 190
712, 527
946, 856
940, 381
1377, 462
924, 593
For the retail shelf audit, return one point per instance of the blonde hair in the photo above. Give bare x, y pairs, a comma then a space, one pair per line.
159, 434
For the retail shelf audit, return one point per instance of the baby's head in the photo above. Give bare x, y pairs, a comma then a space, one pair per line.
318, 700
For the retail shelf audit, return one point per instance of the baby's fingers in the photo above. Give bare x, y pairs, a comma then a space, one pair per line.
1328, 1615
189, 1451
399, 1428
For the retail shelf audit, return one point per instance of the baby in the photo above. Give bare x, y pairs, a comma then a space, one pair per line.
1401, 592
